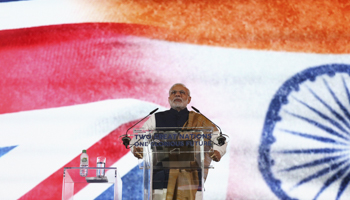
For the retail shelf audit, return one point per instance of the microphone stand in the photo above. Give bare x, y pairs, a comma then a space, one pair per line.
221, 139
126, 139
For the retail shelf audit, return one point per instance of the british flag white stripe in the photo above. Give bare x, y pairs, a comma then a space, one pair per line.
50, 137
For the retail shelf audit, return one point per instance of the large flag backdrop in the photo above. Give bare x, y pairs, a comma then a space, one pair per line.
274, 75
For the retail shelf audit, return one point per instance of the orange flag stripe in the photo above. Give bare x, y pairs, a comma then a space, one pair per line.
308, 26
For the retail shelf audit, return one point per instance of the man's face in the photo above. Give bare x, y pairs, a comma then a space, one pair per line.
178, 97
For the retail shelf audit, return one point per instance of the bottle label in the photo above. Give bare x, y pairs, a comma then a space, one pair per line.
84, 160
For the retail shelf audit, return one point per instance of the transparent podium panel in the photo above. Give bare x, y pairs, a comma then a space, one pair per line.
73, 182
175, 161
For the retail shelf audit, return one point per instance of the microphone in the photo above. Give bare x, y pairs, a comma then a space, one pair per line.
126, 139
221, 139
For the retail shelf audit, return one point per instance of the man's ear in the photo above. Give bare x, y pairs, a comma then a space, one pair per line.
189, 99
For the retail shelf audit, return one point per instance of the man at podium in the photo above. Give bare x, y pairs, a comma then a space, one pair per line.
167, 184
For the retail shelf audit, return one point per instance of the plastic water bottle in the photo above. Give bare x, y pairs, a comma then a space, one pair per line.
84, 162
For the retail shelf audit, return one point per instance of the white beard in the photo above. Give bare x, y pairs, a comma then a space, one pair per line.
178, 105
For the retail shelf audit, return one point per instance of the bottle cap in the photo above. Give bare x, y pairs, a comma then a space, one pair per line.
84, 151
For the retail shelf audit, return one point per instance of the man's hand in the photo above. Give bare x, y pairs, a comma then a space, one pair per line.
138, 152
215, 156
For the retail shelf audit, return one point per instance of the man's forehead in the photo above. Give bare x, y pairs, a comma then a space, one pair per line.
178, 87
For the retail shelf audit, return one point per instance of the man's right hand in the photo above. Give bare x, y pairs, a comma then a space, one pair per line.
138, 152
215, 156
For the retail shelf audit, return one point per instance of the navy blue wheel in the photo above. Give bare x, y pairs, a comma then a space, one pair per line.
305, 145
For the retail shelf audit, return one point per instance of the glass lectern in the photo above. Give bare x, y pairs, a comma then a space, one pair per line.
72, 180
175, 161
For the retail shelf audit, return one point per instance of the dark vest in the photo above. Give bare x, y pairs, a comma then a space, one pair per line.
171, 118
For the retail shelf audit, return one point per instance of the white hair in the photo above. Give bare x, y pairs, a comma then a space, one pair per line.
188, 91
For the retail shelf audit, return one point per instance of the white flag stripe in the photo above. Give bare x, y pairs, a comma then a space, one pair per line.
51, 137
20, 14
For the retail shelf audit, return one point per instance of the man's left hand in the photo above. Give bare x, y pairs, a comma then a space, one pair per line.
215, 156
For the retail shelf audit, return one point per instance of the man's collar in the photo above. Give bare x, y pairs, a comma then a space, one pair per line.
181, 112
